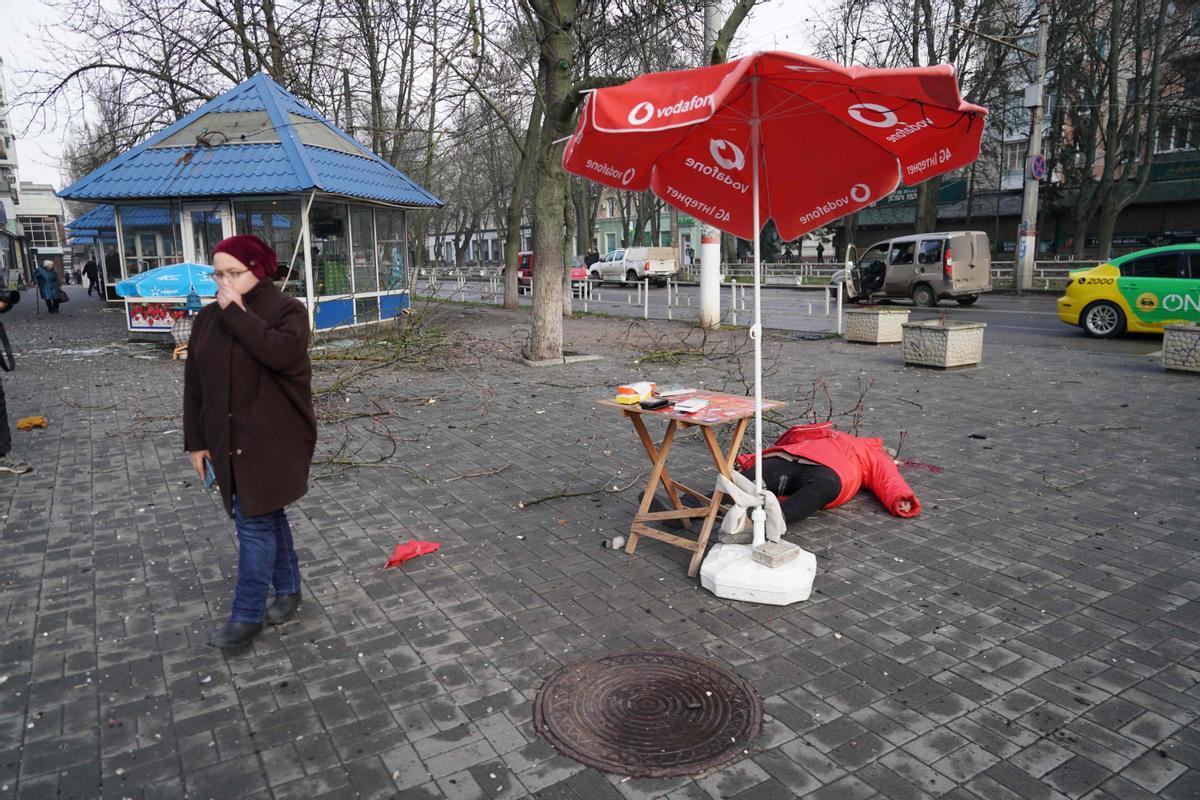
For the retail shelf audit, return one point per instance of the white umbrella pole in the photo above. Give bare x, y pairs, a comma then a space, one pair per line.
759, 516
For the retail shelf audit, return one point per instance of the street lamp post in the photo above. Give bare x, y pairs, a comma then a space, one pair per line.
1035, 102
710, 237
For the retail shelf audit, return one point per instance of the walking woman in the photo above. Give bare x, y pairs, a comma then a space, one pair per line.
248, 415
48, 285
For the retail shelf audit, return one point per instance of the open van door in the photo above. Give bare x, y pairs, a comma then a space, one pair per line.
846, 276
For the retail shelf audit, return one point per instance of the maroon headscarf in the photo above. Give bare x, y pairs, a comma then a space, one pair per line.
253, 252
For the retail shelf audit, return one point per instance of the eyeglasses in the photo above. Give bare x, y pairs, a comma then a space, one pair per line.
233, 275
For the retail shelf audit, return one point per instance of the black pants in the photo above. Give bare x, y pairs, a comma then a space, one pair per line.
5, 432
802, 488
93, 284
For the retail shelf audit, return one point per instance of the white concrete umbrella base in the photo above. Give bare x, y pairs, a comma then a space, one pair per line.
730, 571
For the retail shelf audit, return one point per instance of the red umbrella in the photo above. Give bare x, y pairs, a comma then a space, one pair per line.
775, 135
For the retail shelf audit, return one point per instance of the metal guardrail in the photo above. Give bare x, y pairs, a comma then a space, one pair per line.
1046, 274
590, 293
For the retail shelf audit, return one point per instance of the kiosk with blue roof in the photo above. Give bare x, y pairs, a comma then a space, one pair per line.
258, 160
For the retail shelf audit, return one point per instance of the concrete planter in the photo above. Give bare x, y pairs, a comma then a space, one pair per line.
943, 344
1181, 347
875, 325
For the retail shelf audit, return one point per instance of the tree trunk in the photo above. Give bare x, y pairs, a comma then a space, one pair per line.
568, 236
927, 204
516, 203
274, 42
556, 62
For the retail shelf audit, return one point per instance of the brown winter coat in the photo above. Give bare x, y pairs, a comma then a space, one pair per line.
247, 398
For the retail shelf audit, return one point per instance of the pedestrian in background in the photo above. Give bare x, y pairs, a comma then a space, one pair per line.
112, 265
92, 270
247, 412
7, 464
820, 252
48, 285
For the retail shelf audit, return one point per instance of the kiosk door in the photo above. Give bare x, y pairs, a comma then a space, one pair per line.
204, 224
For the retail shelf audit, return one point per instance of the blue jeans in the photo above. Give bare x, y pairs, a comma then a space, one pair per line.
266, 556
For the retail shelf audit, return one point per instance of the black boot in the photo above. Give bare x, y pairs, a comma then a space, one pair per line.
235, 634
283, 608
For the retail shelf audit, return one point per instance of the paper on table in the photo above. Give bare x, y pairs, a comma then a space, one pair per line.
692, 405
671, 391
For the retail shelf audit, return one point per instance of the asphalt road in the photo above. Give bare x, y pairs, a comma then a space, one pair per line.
1029, 321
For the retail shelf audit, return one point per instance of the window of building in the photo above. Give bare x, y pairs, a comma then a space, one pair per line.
41, 231
1177, 134
1013, 156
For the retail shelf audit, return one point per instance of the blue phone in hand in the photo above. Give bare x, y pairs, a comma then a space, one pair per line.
210, 477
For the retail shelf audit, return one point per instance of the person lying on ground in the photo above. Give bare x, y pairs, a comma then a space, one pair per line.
811, 467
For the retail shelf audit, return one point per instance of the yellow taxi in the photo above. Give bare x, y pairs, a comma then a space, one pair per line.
1139, 292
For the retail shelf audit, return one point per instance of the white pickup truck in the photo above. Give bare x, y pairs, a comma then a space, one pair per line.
636, 263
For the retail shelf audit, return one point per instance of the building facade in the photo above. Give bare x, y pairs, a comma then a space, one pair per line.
11, 260
41, 216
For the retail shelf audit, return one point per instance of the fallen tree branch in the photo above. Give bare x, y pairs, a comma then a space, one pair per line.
480, 474
564, 494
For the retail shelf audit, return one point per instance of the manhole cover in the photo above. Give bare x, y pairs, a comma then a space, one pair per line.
648, 714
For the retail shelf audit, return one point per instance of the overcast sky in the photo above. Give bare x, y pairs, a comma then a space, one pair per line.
774, 24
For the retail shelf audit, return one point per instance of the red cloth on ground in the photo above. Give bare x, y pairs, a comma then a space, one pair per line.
410, 549
859, 462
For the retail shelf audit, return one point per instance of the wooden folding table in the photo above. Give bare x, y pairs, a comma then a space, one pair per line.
723, 409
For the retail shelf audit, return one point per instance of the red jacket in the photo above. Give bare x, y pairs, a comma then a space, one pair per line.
858, 462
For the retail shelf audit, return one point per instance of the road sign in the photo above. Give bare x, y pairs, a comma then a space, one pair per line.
1037, 167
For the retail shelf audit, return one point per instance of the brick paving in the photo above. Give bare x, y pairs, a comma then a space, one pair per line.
1033, 634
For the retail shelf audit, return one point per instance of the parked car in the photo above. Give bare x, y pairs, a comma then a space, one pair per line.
926, 267
637, 263
525, 269
1139, 292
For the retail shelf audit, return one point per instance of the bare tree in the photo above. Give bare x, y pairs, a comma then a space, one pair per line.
1114, 88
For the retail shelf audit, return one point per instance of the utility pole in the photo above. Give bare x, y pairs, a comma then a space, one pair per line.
1035, 101
710, 237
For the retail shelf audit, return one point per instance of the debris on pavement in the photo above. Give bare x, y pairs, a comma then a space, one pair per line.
410, 549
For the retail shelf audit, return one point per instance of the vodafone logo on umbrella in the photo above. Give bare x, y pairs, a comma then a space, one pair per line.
609, 171
642, 113
727, 154
859, 193
645, 111
873, 114
728, 157
877, 116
